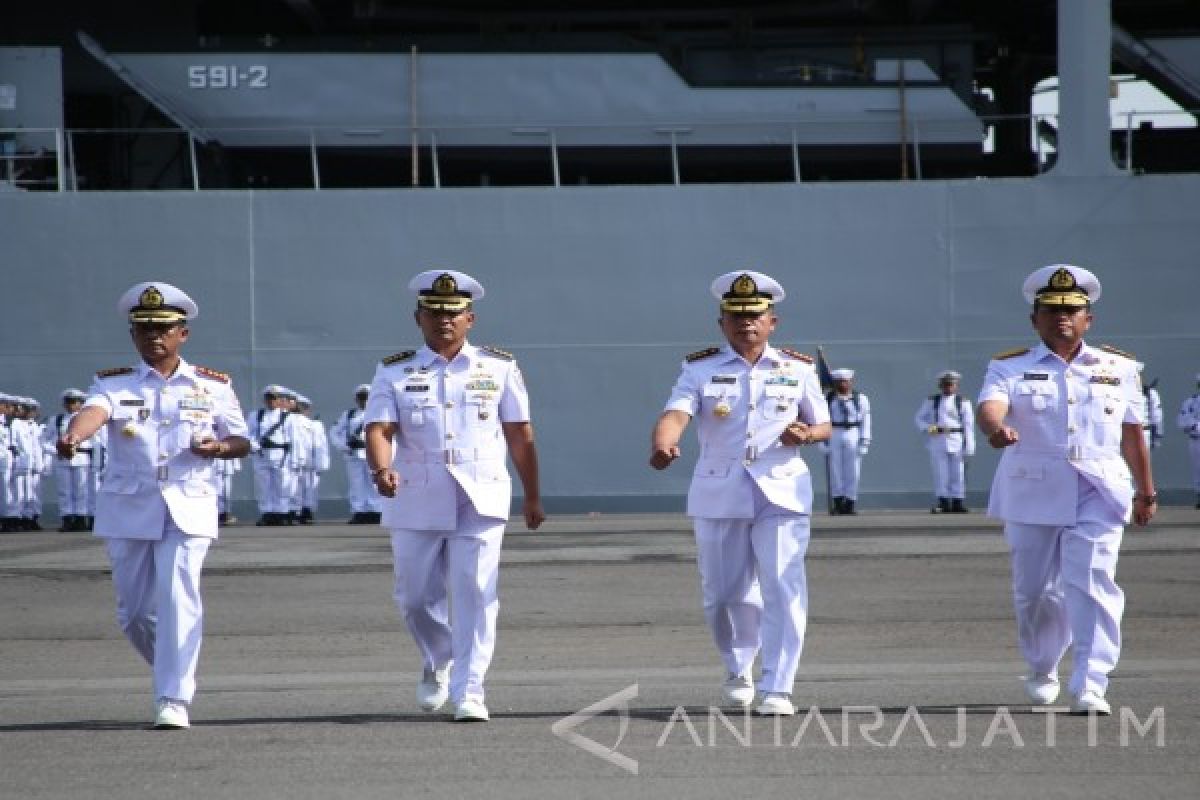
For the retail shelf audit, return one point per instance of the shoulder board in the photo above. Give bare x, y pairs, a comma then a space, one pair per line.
1108, 348
699, 354
1018, 351
212, 374
796, 354
503, 355
111, 373
396, 358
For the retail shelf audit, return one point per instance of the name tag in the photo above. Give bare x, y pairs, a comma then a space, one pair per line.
138, 402
1107, 380
1036, 376
482, 385
781, 381
416, 387
724, 379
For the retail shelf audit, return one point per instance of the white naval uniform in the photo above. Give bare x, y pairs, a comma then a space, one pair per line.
448, 516
157, 508
1188, 421
72, 476
223, 471
348, 440
273, 432
851, 418
1152, 414
97, 465
951, 444
6, 460
26, 471
751, 499
1065, 493
312, 460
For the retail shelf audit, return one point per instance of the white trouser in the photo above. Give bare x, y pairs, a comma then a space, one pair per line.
845, 463
465, 563
93, 486
72, 485
224, 491
20, 483
274, 486
158, 604
34, 503
1065, 592
363, 494
948, 473
308, 481
755, 591
1194, 449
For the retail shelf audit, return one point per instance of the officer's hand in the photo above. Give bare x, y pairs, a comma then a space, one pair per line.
534, 515
66, 445
387, 481
1003, 437
1143, 511
795, 435
662, 457
208, 447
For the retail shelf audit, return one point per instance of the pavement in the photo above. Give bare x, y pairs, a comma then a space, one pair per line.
604, 679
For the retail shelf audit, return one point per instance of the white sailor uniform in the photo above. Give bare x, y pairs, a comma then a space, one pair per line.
72, 476
349, 440
1065, 493
948, 423
448, 516
1188, 421
851, 418
157, 507
751, 498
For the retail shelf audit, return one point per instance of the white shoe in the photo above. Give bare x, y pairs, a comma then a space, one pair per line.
775, 704
434, 688
171, 714
1042, 690
1090, 701
471, 710
738, 690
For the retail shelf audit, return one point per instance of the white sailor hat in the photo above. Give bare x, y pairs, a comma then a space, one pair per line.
30, 402
290, 394
363, 388
842, 374
1061, 285
274, 390
949, 376
155, 301
445, 290
746, 292
301, 400
73, 394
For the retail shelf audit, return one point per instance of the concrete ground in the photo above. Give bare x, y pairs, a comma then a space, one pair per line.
909, 687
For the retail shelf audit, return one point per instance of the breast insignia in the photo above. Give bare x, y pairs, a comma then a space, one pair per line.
111, 373
1108, 348
396, 358
212, 374
503, 355
699, 354
1018, 351
796, 354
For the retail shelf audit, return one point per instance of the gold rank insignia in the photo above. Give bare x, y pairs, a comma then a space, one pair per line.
396, 358
796, 354
212, 374
151, 297
744, 286
109, 373
699, 354
1108, 348
503, 355
445, 284
1017, 351
722, 410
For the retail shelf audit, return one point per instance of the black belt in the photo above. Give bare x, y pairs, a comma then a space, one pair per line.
846, 424
949, 430
357, 446
274, 446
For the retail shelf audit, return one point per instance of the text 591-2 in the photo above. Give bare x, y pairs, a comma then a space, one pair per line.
227, 76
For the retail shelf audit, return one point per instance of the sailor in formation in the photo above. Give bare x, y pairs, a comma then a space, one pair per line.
850, 415
1188, 421
439, 422
157, 512
751, 492
948, 423
272, 433
27, 463
1075, 469
72, 476
1152, 411
312, 458
349, 439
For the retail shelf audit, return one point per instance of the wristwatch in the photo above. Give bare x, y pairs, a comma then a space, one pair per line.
1148, 499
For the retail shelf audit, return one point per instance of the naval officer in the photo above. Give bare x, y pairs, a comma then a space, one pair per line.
1188, 421
949, 427
850, 418
71, 475
157, 507
437, 423
751, 492
1075, 469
